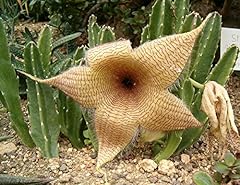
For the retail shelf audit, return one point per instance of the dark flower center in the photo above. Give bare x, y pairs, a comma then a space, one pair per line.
128, 83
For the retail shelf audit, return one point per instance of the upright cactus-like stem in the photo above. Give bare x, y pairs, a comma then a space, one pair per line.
9, 91
190, 22
106, 34
203, 57
93, 30
224, 67
181, 9
165, 14
161, 18
71, 119
45, 45
99, 35
42, 111
79, 54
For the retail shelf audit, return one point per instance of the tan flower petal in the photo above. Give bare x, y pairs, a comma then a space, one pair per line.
230, 113
165, 58
222, 111
77, 83
115, 129
109, 52
164, 112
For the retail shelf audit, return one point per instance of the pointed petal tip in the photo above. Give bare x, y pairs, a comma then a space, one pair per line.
46, 81
197, 124
194, 122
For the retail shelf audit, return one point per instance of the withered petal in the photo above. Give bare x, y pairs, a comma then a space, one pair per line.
216, 104
208, 105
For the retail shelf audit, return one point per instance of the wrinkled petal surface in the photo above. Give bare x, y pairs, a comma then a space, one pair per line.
115, 129
129, 89
165, 58
166, 112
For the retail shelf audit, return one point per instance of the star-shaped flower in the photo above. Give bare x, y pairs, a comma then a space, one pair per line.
129, 89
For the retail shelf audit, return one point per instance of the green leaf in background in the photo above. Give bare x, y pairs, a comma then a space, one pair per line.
9, 90
202, 178
221, 168
45, 48
229, 159
43, 116
181, 9
160, 22
65, 39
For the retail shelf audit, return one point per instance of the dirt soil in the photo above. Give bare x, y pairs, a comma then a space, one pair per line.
78, 166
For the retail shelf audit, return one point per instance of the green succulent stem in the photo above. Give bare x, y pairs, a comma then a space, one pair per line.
9, 90
196, 84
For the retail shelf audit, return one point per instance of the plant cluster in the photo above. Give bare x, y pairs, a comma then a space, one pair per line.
225, 171
71, 16
52, 112
170, 17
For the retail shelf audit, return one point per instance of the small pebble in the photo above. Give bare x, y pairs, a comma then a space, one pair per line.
148, 165
93, 155
153, 179
77, 180
185, 158
6, 148
65, 178
63, 168
166, 167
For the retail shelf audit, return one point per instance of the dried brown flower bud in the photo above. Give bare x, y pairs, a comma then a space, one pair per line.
216, 104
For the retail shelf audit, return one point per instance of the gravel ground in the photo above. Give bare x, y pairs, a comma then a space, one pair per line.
133, 167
